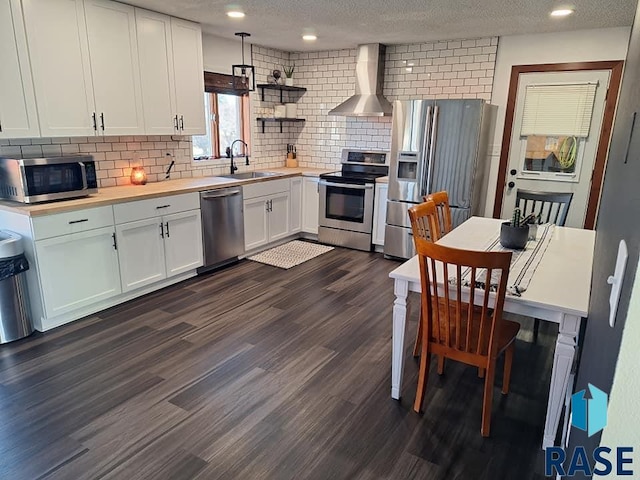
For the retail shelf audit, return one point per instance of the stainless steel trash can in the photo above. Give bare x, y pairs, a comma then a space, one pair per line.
15, 317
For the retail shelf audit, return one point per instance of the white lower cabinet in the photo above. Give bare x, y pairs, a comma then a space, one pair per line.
141, 253
380, 213
256, 225
310, 204
279, 216
266, 220
183, 242
78, 270
156, 248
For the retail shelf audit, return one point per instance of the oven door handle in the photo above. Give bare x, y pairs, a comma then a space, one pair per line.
346, 185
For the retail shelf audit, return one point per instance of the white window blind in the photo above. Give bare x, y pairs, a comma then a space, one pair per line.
558, 109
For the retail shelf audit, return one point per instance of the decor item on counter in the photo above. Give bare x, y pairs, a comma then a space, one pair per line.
244, 75
280, 111
290, 254
288, 71
514, 234
138, 176
291, 110
276, 74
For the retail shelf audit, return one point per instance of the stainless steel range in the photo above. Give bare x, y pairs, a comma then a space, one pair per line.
346, 199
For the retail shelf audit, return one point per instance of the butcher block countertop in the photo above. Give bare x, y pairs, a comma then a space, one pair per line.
127, 193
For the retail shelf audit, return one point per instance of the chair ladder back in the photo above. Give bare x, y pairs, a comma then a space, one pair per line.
443, 210
553, 207
472, 295
485, 310
434, 303
458, 306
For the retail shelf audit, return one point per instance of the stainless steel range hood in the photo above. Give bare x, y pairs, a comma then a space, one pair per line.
368, 100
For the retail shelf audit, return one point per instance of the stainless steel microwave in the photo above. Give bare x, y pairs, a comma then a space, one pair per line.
45, 179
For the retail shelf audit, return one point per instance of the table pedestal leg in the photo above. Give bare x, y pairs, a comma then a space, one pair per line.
401, 290
562, 363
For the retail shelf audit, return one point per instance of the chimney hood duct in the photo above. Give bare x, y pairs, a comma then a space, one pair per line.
368, 100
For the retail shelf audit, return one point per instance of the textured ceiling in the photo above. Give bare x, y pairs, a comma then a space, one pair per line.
347, 23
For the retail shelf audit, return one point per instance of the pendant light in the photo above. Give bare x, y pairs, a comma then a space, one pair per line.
244, 76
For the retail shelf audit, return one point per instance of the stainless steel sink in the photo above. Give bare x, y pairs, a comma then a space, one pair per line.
248, 175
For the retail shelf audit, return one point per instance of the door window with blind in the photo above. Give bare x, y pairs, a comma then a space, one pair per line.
555, 126
227, 111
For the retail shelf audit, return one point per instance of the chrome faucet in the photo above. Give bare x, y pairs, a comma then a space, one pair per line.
233, 165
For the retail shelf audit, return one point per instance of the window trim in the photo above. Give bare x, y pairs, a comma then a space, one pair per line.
245, 128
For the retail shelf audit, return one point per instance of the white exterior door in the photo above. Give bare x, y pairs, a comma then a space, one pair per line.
295, 210
183, 242
532, 161
278, 216
59, 51
189, 76
18, 114
156, 72
141, 253
310, 205
256, 227
68, 267
113, 50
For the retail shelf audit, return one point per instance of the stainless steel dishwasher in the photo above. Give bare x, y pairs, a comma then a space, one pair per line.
222, 226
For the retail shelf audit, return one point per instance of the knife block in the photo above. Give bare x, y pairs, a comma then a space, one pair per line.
291, 161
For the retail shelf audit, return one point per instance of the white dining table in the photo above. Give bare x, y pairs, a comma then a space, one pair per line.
559, 292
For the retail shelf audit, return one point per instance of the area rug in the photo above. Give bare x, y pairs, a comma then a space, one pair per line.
290, 254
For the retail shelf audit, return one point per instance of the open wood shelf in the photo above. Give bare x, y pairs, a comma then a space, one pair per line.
281, 88
279, 120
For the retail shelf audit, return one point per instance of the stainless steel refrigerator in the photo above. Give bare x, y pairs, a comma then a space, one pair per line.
435, 145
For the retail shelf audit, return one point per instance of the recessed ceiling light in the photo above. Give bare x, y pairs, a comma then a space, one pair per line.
562, 12
235, 14
309, 37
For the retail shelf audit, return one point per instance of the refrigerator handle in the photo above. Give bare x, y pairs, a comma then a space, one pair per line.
424, 166
432, 149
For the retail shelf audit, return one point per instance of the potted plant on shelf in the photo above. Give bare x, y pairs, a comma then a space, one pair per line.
288, 72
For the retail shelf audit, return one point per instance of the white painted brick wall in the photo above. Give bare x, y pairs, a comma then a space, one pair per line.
453, 69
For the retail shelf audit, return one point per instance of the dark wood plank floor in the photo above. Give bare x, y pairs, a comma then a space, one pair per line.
256, 372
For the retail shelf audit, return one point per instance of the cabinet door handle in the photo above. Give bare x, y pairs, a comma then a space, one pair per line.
271, 205
181, 122
102, 121
175, 122
115, 242
167, 225
95, 122
161, 230
266, 205
162, 206
71, 222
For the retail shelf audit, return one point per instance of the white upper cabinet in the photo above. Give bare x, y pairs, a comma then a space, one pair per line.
155, 51
18, 114
189, 76
113, 50
57, 38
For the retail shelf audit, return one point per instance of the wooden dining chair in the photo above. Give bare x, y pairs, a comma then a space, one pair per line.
456, 328
425, 225
441, 199
552, 207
